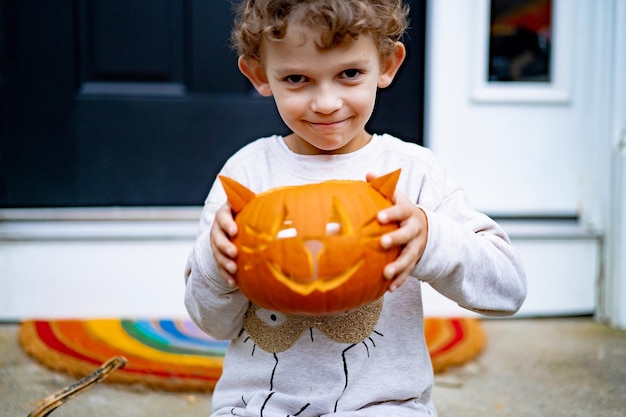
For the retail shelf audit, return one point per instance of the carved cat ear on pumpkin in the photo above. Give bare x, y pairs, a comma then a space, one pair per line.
238, 195
386, 184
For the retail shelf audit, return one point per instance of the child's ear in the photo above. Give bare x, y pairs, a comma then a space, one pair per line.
253, 70
391, 65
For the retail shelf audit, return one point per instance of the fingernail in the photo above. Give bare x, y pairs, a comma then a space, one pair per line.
385, 241
390, 273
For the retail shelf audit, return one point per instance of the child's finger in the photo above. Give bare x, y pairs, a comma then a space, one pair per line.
398, 274
220, 243
399, 212
224, 219
409, 231
400, 269
227, 268
228, 277
397, 283
398, 237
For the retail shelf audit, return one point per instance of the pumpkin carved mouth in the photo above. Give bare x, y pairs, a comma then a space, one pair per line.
314, 283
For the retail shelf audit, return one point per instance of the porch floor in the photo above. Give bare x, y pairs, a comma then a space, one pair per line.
531, 367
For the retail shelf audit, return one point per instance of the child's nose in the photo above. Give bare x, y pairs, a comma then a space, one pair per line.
325, 101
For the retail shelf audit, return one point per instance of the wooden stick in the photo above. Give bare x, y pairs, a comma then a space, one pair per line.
46, 405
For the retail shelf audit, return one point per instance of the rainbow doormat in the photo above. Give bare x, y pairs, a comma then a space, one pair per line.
175, 355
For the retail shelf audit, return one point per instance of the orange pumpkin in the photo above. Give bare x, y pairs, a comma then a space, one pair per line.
312, 249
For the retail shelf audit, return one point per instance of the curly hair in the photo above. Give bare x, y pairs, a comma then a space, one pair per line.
384, 20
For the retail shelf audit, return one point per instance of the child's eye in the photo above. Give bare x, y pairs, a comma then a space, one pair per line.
295, 79
351, 73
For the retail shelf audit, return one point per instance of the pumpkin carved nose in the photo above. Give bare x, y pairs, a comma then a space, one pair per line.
314, 246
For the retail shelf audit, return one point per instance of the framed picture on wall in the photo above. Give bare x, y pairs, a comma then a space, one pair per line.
523, 50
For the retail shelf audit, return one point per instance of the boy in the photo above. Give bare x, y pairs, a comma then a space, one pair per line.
323, 61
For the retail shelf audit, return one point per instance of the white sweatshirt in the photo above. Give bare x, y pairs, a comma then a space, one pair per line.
281, 365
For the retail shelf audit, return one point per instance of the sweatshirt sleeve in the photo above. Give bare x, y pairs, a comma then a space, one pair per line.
214, 306
469, 259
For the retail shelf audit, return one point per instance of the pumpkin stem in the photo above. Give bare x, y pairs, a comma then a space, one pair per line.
386, 184
238, 195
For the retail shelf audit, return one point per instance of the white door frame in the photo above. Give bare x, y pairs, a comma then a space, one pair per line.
612, 302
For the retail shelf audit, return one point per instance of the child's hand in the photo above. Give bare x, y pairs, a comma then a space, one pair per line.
223, 229
411, 236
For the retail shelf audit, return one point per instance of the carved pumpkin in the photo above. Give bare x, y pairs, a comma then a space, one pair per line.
312, 249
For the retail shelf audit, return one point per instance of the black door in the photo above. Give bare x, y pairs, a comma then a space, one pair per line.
139, 102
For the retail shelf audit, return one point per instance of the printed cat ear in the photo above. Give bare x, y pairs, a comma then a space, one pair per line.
386, 184
238, 195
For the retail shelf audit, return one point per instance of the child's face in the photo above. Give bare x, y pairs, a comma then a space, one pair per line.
324, 96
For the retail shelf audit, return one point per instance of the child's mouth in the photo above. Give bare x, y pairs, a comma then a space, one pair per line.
326, 125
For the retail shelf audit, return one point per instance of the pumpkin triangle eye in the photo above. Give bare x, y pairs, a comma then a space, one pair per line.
339, 221
287, 233
287, 228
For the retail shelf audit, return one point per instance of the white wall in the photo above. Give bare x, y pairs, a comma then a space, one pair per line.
102, 263
613, 290
105, 278
129, 268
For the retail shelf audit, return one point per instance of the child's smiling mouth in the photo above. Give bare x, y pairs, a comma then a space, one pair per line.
328, 124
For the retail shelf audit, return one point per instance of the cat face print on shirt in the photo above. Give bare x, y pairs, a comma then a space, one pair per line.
276, 332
